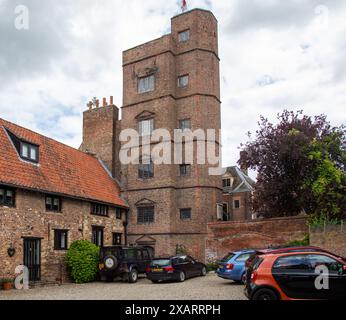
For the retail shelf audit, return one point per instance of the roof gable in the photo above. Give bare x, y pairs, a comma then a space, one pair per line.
61, 170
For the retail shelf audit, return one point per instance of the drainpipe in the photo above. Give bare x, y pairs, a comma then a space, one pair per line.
125, 224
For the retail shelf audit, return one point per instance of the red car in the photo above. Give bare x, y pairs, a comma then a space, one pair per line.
288, 249
292, 275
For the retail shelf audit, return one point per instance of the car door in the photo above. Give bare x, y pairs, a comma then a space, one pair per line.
130, 256
145, 260
294, 277
335, 279
187, 267
140, 261
195, 267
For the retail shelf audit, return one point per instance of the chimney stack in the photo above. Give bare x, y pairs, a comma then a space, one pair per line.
104, 103
97, 103
111, 100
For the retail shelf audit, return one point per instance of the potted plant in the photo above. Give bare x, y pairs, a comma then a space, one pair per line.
7, 284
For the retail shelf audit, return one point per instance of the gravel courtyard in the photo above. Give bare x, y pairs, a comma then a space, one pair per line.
207, 288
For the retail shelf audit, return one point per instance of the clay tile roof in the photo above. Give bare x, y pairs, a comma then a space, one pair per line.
61, 170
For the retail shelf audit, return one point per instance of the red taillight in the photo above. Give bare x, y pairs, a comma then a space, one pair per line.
148, 269
169, 269
344, 267
229, 266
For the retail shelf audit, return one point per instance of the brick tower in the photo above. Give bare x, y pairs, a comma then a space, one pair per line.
173, 82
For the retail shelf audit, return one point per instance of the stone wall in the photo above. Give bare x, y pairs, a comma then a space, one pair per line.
224, 237
29, 219
331, 238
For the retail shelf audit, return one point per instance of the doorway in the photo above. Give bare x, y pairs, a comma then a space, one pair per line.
32, 258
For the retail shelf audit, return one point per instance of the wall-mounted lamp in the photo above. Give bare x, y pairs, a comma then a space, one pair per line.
11, 251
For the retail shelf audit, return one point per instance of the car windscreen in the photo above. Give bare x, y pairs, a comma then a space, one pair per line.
161, 263
227, 257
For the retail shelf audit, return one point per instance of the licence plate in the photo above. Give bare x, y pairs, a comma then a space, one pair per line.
220, 267
157, 270
101, 266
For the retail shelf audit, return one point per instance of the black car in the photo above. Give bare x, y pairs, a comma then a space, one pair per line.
126, 262
177, 268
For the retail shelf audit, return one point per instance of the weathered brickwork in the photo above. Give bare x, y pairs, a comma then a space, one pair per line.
29, 219
166, 58
169, 104
224, 237
333, 239
100, 131
244, 211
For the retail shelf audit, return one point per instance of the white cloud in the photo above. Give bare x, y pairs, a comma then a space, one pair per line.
274, 55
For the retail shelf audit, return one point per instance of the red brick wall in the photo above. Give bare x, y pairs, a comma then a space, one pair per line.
224, 237
333, 239
168, 104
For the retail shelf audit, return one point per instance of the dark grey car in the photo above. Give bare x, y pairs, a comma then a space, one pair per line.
124, 262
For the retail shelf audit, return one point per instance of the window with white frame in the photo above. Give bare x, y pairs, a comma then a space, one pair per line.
183, 81
145, 169
146, 84
185, 124
184, 36
29, 151
146, 127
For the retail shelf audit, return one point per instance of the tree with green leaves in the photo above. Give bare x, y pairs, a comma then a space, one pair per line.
301, 165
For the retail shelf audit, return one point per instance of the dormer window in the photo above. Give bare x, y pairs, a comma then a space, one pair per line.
26, 150
29, 152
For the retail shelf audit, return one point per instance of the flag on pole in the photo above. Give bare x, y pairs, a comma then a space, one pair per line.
183, 6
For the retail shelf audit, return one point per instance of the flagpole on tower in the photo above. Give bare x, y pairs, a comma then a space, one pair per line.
183, 6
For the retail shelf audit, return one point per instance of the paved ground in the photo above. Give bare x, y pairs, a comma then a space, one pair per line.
206, 288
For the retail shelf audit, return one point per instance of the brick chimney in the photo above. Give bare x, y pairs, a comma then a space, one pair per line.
101, 128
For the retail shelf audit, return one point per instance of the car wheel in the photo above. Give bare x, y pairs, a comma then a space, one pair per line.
204, 272
154, 281
111, 262
109, 279
133, 276
265, 294
182, 276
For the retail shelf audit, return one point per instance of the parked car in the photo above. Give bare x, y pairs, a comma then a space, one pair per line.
126, 262
177, 268
284, 249
292, 275
232, 266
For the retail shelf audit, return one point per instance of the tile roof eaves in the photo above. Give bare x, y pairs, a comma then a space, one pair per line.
62, 194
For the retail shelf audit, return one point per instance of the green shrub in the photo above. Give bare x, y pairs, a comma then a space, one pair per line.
82, 260
212, 266
297, 243
181, 250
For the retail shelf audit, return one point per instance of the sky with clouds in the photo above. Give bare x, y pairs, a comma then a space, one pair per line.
274, 54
